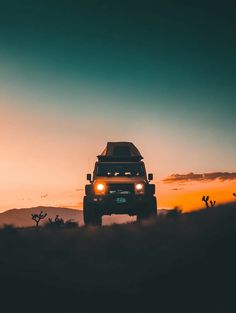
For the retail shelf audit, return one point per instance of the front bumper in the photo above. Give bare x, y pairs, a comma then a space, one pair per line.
119, 204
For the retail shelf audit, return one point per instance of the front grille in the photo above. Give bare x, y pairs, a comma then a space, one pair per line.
121, 189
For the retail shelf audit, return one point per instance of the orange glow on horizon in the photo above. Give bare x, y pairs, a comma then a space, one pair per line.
188, 196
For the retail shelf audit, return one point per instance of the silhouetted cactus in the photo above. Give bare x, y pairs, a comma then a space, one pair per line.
213, 203
38, 217
206, 200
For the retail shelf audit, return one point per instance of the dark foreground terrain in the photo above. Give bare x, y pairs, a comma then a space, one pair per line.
180, 263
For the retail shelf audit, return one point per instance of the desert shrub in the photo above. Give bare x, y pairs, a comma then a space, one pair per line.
9, 229
60, 223
57, 222
175, 212
71, 224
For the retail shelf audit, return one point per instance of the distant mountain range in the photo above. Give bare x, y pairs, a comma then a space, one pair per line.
22, 217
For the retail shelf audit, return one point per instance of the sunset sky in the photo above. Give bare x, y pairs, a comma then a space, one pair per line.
76, 74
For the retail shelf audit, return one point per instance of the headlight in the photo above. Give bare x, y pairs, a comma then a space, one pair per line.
100, 187
139, 188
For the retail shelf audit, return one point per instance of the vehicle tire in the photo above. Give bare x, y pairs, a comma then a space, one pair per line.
150, 211
91, 216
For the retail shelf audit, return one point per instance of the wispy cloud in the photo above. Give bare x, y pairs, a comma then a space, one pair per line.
177, 189
184, 178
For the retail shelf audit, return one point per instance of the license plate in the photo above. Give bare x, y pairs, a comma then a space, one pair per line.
120, 200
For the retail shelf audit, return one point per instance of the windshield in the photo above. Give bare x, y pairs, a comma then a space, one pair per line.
120, 170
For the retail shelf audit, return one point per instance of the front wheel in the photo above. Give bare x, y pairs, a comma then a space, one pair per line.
150, 211
91, 216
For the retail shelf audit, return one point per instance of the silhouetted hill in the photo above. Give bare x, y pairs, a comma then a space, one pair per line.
22, 217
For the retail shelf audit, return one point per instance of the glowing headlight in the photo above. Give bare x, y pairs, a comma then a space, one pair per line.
100, 187
138, 187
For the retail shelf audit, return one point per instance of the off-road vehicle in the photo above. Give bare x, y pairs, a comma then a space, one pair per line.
119, 185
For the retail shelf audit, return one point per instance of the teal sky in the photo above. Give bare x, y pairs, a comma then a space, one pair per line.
171, 55
159, 73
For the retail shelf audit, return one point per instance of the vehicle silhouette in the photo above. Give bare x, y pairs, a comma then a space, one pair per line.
119, 185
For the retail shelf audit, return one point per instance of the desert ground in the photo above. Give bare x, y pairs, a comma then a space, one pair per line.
178, 262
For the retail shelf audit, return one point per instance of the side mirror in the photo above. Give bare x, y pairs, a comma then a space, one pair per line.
150, 176
89, 177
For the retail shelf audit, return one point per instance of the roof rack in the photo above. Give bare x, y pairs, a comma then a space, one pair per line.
121, 152
118, 159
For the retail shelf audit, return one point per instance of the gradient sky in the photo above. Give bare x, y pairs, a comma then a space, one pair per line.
76, 74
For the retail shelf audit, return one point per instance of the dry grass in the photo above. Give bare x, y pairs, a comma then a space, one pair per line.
172, 262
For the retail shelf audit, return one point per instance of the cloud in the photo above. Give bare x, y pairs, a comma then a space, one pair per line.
79, 189
184, 178
176, 189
